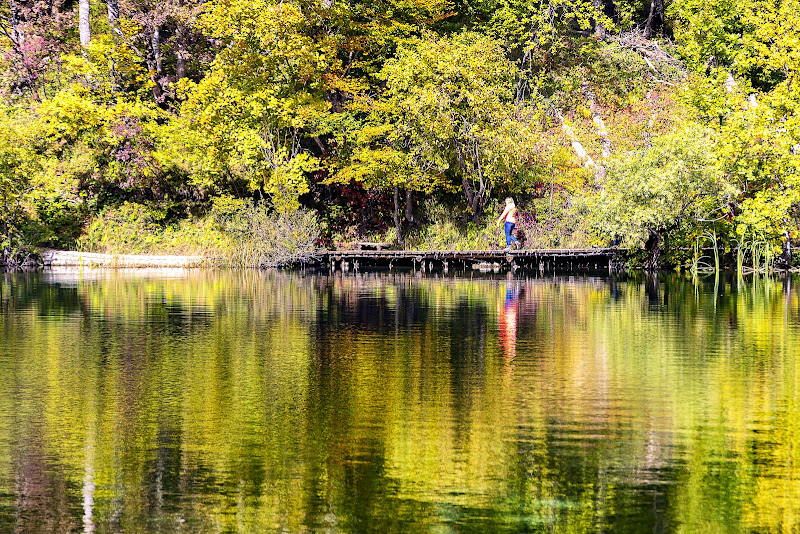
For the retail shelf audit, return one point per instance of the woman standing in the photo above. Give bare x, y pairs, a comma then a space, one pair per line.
510, 217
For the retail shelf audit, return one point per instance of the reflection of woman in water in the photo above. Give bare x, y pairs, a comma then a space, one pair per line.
507, 320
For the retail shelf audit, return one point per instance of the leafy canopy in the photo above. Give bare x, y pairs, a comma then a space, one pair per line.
652, 192
264, 93
447, 109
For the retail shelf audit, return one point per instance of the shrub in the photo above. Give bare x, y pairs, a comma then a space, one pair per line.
264, 238
57, 223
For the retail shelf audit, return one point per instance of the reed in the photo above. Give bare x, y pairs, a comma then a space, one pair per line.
761, 252
698, 264
712, 235
741, 250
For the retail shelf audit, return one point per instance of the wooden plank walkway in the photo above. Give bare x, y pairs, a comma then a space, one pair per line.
474, 254
542, 259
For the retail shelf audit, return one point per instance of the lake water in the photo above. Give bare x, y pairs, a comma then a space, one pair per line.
215, 401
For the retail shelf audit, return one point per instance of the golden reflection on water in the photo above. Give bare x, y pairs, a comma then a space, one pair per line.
215, 401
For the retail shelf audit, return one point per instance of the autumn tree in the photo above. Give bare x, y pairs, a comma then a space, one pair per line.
450, 102
745, 88
649, 194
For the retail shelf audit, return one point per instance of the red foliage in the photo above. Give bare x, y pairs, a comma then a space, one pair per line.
349, 209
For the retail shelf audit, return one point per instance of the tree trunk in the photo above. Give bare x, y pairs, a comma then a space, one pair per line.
478, 204
599, 29
469, 194
523, 85
653, 248
155, 43
730, 83
475, 199
180, 55
396, 214
113, 14
4, 238
180, 65
602, 133
17, 36
153, 60
787, 249
180, 52
585, 158
655, 10
83, 23
409, 213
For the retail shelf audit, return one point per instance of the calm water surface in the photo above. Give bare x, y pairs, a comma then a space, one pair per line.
218, 401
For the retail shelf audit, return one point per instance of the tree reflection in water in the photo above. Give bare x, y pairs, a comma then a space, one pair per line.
261, 402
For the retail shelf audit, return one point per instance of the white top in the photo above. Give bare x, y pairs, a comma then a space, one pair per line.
508, 215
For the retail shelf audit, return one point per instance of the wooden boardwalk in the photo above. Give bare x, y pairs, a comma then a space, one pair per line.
428, 260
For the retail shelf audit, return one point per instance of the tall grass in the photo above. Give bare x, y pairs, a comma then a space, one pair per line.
134, 229
236, 233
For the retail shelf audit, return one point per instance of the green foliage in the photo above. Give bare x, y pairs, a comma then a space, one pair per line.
448, 235
18, 168
752, 38
533, 25
179, 104
750, 50
129, 148
445, 230
55, 222
264, 92
709, 32
772, 45
137, 229
106, 65
764, 222
709, 98
447, 108
651, 193
131, 227
555, 221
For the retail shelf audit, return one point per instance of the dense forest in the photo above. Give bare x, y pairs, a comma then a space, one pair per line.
259, 130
